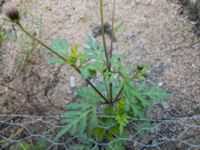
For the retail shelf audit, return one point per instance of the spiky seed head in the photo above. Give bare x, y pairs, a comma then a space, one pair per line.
13, 15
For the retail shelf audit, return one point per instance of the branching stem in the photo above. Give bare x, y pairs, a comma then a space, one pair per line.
117, 98
108, 64
113, 28
111, 47
63, 58
103, 35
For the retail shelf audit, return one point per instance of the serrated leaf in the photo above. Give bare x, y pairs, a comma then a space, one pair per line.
92, 122
82, 125
141, 70
85, 73
77, 118
73, 106
60, 46
141, 96
63, 131
154, 93
74, 128
157, 94
54, 60
99, 133
72, 113
91, 41
138, 111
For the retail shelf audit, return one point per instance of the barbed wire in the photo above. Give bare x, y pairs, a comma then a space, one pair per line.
161, 133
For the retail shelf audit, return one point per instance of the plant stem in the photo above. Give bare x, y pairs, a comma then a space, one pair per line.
111, 45
103, 34
92, 85
107, 91
113, 28
40, 42
60, 56
118, 95
105, 48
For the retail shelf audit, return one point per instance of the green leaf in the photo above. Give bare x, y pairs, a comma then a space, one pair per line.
62, 132
85, 73
73, 106
25, 146
122, 120
109, 110
99, 133
90, 70
73, 113
141, 70
54, 60
82, 126
89, 96
154, 93
73, 55
116, 61
81, 118
91, 42
118, 145
40, 144
139, 97
92, 123
60, 46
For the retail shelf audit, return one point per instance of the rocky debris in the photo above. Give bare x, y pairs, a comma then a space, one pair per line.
192, 9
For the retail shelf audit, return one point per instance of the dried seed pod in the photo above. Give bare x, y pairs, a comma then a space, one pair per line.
13, 15
140, 67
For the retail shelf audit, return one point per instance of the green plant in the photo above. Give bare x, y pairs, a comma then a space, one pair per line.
40, 144
115, 92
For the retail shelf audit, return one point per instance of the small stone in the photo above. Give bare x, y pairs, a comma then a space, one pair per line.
193, 22
72, 82
160, 83
165, 105
193, 66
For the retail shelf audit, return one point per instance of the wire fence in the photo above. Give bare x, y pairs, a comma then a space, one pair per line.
163, 133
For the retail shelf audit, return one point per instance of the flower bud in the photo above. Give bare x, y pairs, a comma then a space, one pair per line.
13, 15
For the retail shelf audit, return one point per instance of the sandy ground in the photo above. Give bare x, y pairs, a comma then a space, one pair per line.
154, 33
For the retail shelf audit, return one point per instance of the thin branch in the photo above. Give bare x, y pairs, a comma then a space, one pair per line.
108, 64
111, 47
60, 56
41, 43
103, 34
118, 95
113, 28
92, 85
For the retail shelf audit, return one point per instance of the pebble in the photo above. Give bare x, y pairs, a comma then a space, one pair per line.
165, 105
160, 84
72, 81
